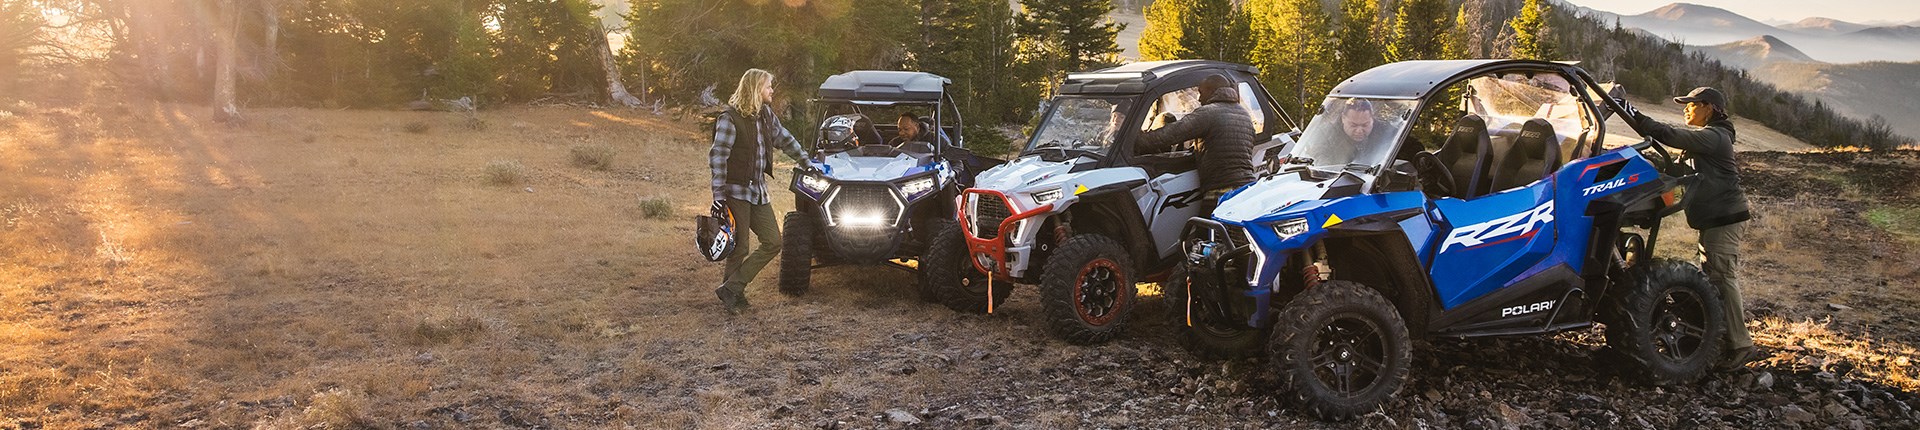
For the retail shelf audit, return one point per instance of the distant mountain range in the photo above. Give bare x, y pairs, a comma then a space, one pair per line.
1859, 70
1822, 39
1856, 90
1755, 52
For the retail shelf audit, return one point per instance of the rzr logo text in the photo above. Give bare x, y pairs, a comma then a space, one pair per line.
1523, 224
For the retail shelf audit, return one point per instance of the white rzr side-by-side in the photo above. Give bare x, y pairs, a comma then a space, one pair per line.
1080, 212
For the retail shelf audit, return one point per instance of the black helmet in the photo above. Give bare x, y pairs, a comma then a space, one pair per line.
841, 131
714, 233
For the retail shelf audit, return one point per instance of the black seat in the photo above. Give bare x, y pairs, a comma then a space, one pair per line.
1467, 154
868, 134
1533, 155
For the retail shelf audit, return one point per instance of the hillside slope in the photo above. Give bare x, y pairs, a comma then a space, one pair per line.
1858, 90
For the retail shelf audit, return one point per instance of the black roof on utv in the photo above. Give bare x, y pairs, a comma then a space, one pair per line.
1416, 79
1136, 78
884, 86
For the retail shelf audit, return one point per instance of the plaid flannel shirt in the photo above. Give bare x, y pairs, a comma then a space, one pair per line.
775, 136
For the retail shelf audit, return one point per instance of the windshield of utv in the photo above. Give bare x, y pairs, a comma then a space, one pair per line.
846, 125
1353, 132
1078, 126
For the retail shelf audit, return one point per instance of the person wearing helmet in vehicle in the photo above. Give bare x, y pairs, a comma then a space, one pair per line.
1225, 130
1718, 207
744, 138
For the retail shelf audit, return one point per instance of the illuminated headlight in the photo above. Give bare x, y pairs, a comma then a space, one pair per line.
915, 188
815, 184
1045, 197
863, 220
1289, 228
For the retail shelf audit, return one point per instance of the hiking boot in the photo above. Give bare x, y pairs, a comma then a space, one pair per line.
1737, 358
734, 302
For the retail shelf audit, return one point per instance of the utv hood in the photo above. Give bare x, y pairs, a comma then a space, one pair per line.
847, 167
1026, 173
1274, 194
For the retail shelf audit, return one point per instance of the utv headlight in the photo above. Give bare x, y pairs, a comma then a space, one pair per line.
1045, 197
915, 188
1287, 229
815, 183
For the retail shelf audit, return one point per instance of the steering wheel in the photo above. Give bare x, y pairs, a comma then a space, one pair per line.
1442, 179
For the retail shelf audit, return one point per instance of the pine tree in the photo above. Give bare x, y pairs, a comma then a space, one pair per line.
1165, 31
1359, 45
1531, 40
1459, 42
1293, 49
1418, 30
1074, 35
1195, 29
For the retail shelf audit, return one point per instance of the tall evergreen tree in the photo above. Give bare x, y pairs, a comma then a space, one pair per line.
1459, 42
1195, 29
972, 43
1293, 49
1530, 39
1072, 35
1359, 38
1419, 28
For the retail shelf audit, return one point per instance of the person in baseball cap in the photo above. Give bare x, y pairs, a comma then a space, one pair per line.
1707, 97
1717, 207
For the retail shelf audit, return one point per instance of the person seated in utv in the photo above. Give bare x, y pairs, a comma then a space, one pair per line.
1225, 131
848, 131
913, 129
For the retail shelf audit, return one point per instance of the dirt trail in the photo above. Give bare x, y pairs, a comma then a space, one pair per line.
331, 268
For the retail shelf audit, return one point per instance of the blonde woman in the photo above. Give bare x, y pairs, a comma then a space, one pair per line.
742, 159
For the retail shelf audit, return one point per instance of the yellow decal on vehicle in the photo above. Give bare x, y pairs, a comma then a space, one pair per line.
1077, 189
1331, 220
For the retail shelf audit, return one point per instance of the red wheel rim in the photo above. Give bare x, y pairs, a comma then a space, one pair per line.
1097, 297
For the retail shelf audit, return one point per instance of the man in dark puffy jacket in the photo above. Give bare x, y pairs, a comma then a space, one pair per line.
1717, 207
1225, 130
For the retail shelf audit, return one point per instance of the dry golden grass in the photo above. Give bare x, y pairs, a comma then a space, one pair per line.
162, 270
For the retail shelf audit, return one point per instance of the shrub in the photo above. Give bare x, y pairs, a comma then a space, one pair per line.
505, 172
656, 207
596, 157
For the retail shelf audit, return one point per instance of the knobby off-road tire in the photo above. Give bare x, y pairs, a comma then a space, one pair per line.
796, 254
948, 275
1087, 290
1208, 337
1341, 350
1667, 318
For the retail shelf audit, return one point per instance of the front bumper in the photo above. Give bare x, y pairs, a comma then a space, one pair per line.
990, 226
1226, 256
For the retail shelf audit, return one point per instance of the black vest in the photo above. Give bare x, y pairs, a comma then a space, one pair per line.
743, 160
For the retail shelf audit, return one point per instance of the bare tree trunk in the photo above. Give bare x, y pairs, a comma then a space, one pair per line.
223, 81
615, 89
270, 13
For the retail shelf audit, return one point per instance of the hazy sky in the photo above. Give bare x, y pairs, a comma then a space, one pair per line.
1859, 11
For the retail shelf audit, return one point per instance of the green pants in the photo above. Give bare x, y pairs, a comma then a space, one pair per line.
1722, 248
750, 220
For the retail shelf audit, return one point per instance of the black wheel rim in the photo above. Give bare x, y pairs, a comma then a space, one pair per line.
1349, 354
1096, 291
1679, 325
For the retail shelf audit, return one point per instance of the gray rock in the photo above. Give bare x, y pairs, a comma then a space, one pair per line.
1797, 414
902, 416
